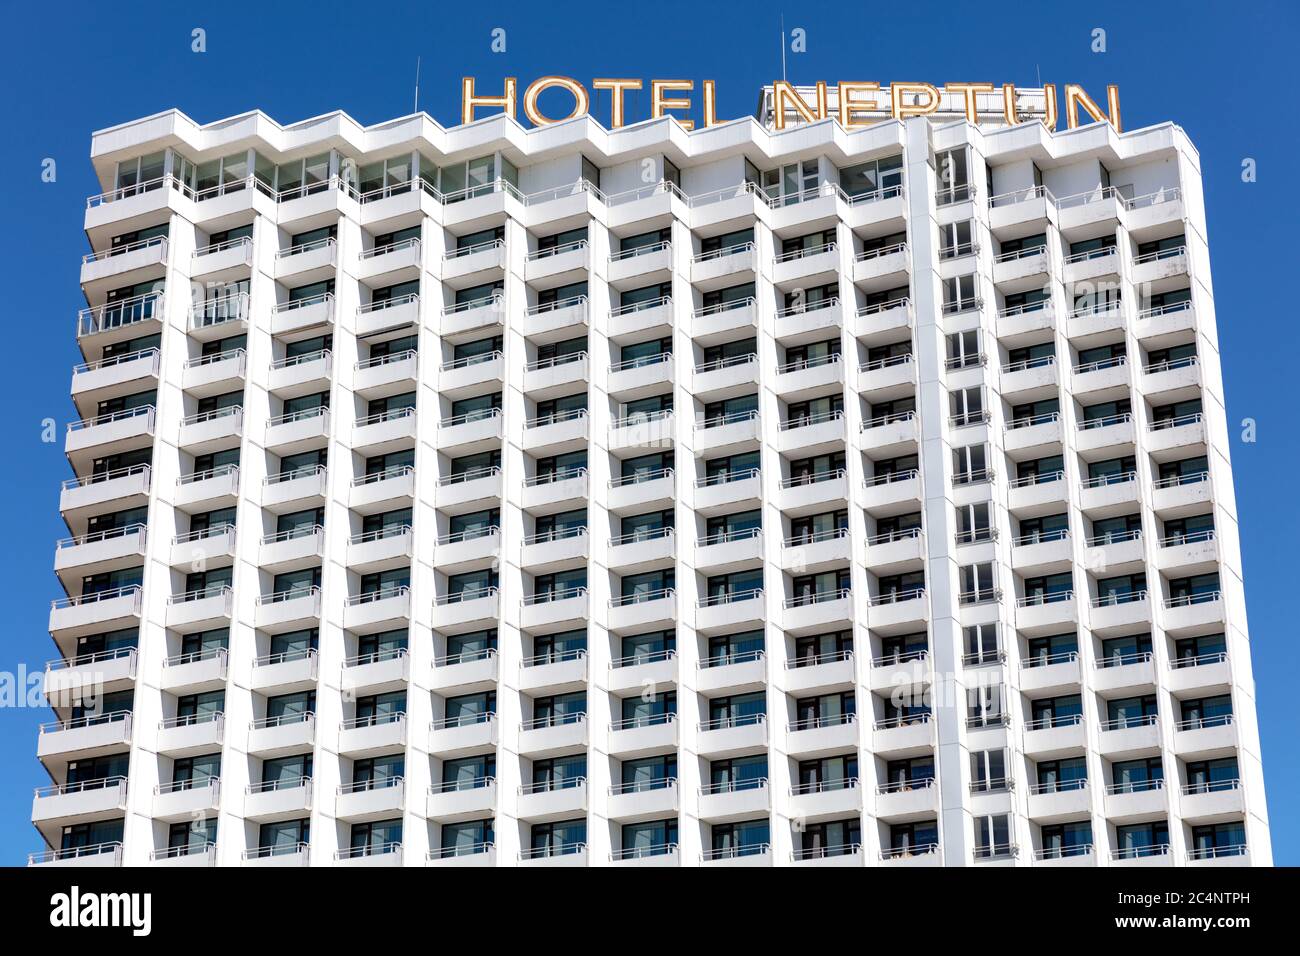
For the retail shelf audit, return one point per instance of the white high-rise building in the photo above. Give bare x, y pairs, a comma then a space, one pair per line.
565, 496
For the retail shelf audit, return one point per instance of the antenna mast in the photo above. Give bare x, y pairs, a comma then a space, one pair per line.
783, 76
417, 84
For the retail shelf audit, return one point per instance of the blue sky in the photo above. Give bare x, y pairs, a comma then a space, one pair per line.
71, 68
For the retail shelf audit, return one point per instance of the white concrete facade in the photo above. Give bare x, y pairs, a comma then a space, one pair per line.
930, 251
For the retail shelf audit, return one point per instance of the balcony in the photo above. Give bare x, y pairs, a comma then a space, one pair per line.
717, 493
1126, 736
641, 670
1036, 433
69, 679
641, 433
884, 268
555, 321
719, 323
641, 549
467, 320
84, 737
384, 432
97, 854
286, 671
570, 262
1213, 802
210, 606
728, 550
1206, 736
399, 312
822, 736
117, 376
1021, 270
811, 434
131, 428
888, 435
302, 315
812, 612
376, 672
907, 800
891, 611
568, 486
911, 672
301, 374
1184, 435
287, 609
98, 268
806, 267
1208, 671
466, 608
718, 269
379, 492
629, 612
552, 736
88, 554
891, 492
1109, 376
879, 324
469, 433
222, 261
560, 854
712, 434
726, 378
374, 854
462, 800
278, 800
730, 737
549, 608
124, 486
1061, 800
921, 854
297, 431
88, 800
373, 735
1055, 736
731, 673
557, 376
1136, 800
1046, 612
378, 610
1042, 552
396, 260
1127, 673
1020, 323
306, 263
196, 671
95, 612
461, 377
282, 735
888, 378
552, 800
1164, 324
908, 735
753, 855
805, 378
1119, 611
553, 672
820, 673
121, 320
456, 736
643, 800
809, 322
729, 609
636, 320
191, 734
734, 800
893, 550
292, 854
476, 854
640, 266
297, 548
386, 375
644, 735
380, 550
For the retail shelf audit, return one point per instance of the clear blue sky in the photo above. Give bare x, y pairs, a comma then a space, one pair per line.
71, 68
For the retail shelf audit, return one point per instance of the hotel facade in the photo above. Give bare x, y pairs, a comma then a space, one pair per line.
565, 496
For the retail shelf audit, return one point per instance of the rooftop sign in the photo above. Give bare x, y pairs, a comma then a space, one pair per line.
855, 104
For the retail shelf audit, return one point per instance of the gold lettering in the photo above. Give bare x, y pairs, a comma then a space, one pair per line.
969, 90
659, 102
903, 110
845, 93
710, 102
616, 87
469, 101
783, 93
1076, 97
581, 101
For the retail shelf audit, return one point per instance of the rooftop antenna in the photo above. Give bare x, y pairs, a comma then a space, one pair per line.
1038, 74
417, 84
783, 76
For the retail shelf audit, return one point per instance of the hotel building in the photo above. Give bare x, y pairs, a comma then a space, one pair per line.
565, 496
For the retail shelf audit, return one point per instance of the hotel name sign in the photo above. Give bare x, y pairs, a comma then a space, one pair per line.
855, 104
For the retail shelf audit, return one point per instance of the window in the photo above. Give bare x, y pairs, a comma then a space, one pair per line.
977, 584
988, 771
878, 176
964, 350
734, 648
973, 523
955, 239
1135, 776
969, 464
953, 171
984, 706
993, 837
1066, 839
967, 406
1142, 840
981, 643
